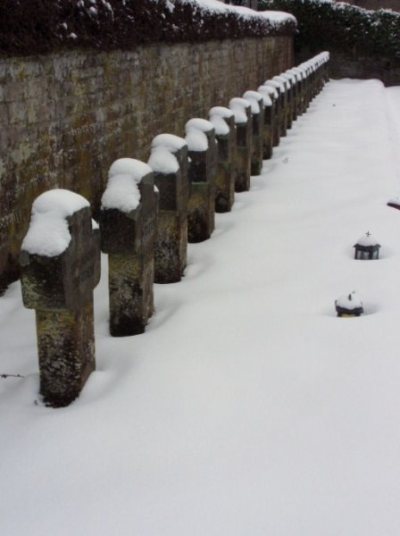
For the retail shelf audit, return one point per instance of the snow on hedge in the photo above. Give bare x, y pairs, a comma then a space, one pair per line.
125, 24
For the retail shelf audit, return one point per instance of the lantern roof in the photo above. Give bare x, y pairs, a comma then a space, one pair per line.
349, 301
367, 241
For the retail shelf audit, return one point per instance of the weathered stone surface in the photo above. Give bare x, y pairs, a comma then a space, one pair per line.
66, 353
73, 113
128, 238
258, 119
271, 119
65, 281
201, 205
243, 149
281, 107
225, 174
170, 251
60, 289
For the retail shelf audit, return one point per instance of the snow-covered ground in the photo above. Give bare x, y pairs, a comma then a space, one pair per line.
247, 408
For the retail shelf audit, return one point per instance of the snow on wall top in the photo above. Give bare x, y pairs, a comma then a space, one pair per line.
48, 234
215, 6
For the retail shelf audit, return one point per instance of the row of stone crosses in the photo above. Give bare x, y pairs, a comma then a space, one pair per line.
149, 213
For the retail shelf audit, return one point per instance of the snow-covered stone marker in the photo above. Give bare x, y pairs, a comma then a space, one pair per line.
366, 248
293, 81
297, 76
169, 162
349, 305
202, 144
303, 89
325, 56
60, 266
244, 128
268, 124
287, 100
258, 111
281, 110
307, 90
272, 113
223, 121
128, 224
319, 72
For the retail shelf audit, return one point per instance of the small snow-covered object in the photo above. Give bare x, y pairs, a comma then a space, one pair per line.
349, 305
366, 248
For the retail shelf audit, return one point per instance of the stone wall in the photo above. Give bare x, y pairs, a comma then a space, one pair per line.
65, 117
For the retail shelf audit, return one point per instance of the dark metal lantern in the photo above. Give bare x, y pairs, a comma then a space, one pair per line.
349, 305
366, 248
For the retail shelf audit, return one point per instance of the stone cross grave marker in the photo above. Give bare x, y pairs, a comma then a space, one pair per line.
269, 120
202, 145
244, 127
223, 121
128, 223
169, 162
257, 110
274, 96
280, 110
288, 95
60, 266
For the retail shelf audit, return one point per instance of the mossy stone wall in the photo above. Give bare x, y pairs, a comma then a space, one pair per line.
66, 117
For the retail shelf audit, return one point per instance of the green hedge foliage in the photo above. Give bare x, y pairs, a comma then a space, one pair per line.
342, 27
41, 26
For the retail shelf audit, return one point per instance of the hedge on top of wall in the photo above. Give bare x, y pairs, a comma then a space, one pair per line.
42, 26
343, 27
